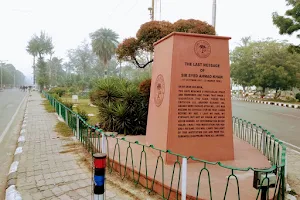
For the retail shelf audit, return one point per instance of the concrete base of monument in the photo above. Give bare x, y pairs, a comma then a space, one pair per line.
145, 163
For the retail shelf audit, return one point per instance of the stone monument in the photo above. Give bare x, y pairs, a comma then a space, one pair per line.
190, 99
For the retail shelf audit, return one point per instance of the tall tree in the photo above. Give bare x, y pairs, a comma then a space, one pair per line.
39, 46
265, 64
32, 49
290, 23
242, 67
42, 74
55, 70
104, 43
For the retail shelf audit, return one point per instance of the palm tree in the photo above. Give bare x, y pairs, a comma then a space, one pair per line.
104, 43
39, 46
32, 49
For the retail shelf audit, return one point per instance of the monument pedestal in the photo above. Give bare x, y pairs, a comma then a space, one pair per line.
190, 99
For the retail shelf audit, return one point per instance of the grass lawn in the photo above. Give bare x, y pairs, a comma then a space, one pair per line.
83, 104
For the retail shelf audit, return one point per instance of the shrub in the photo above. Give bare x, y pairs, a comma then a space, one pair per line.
60, 91
68, 104
297, 96
126, 110
145, 87
82, 114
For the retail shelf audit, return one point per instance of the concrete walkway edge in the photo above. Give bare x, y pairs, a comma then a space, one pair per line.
11, 191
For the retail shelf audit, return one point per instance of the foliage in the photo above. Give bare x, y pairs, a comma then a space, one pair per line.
194, 26
145, 87
56, 72
11, 75
265, 64
297, 96
151, 32
242, 67
39, 46
122, 108
42, 74
58, 90
68, 104
104, 43
290, 23
82, 114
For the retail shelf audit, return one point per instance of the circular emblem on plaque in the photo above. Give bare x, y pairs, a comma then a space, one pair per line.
159, 90
202, 49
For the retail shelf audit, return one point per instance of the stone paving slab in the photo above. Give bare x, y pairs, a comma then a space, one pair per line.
293, 167
44, 172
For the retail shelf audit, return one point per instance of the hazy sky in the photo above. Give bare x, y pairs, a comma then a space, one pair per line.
69, 22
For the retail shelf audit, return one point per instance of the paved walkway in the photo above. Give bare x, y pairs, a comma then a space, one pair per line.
44, 172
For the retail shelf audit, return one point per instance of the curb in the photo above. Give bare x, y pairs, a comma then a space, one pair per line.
11, 191
287, 105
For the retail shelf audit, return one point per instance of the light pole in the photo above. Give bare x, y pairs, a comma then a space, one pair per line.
214, 13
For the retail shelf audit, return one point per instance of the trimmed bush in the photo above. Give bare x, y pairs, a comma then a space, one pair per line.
60, 91
68, 104
82, 114
297, 96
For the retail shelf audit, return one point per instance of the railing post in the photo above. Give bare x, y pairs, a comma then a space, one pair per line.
77, 126
103, 149
286, 167
59, 109
67, 121
184, 178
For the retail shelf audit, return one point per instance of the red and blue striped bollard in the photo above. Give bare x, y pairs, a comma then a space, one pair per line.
99, 176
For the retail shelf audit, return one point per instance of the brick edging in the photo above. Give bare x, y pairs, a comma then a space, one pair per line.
11, 191
287, 105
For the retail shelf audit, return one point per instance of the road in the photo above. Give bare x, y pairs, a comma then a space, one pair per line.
283, 122
9, 102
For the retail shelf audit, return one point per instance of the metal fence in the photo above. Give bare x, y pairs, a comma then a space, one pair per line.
171, 181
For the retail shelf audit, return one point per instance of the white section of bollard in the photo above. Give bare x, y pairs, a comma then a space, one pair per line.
99, 196
23, 131
184, 179
18, 150
12, 193
13, 167
21, 138
103, 149
24, 126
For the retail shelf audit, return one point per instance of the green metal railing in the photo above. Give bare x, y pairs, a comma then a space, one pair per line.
96, 140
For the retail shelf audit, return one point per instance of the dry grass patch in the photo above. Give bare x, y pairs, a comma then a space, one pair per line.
62, 129
48, 107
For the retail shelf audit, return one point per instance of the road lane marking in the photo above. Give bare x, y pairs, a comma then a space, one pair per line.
287, 115
12, 119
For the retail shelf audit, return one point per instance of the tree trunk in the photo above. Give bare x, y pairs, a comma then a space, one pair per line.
277, 94
263, 92
105, 69
34, 70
